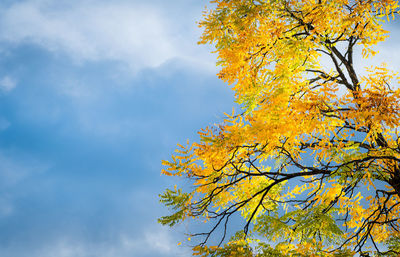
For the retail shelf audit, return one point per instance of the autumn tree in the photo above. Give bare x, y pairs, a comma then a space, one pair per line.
311, 163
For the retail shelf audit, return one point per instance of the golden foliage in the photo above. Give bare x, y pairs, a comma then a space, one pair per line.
313, 160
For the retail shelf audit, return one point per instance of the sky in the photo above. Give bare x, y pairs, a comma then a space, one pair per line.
93, 95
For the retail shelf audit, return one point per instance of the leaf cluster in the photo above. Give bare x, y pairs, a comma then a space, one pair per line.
312, 163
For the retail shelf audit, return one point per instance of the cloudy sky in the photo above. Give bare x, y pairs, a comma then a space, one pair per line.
93, 95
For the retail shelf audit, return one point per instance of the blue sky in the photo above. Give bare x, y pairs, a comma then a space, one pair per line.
93, 95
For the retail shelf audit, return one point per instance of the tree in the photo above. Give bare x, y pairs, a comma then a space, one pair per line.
312, 162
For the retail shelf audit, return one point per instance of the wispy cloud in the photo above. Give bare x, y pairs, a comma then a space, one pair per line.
156, 242
6, 207
7, 84
4, 124
16, 166
136, 34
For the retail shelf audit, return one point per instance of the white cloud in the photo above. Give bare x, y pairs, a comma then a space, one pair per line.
157, 242
6, 207
388, 50
135, 34
7, 84
16, 166
4, 124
